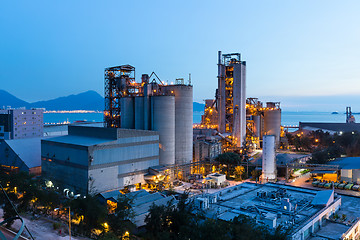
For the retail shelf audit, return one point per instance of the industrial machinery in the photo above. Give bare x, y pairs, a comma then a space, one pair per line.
235, 117
349, 116
152, 105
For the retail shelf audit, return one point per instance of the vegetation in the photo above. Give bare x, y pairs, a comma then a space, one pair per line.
325, 147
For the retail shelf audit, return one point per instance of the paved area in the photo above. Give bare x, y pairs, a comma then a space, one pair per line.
41, 229
331, 230
301, 182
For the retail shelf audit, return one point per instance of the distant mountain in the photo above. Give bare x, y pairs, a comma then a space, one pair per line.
89, 100
7, 99
198, 107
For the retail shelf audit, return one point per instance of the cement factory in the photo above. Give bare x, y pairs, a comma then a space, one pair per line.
148, 143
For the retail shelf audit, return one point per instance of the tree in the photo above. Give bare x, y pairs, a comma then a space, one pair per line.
89, 212
229, 159
239, 171
121, 220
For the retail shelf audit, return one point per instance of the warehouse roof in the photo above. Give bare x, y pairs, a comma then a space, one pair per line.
336, 127
28, 150
347, 162
323, 198
79, 140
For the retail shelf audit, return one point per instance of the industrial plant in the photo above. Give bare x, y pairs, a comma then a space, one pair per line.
234, 117
152, 105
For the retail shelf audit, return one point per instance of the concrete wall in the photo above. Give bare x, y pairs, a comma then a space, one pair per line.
65, 165
116, 165
346, 175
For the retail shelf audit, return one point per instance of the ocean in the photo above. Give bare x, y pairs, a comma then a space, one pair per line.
287, 118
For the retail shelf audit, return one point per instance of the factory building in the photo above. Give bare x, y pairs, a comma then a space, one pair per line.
206, 149
152, 105
97, 159
302, 213
21, 155
21, 123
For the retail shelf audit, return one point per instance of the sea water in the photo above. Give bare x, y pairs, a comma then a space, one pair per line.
287, 118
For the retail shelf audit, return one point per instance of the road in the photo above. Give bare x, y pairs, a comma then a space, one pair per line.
301, 182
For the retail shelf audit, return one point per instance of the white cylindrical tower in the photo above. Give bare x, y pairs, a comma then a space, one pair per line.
163, 121
272, 124
183, 122
268, 159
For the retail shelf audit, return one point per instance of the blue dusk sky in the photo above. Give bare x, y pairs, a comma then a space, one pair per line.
303, 53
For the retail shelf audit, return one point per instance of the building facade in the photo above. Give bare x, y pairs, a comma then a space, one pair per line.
22, 123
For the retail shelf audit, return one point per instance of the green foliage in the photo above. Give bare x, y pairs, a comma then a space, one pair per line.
121, 220
90, 211
56, 225
228, 158
255, 174
108, 236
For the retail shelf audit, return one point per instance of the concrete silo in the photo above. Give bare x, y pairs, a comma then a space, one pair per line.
163, 121
127, 112
183, 122
272, 123
139, 113
268, 159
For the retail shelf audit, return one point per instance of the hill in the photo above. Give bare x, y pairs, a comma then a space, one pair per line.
7, 99
89, 100
198, 107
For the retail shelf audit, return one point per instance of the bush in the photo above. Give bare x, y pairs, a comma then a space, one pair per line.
56, 225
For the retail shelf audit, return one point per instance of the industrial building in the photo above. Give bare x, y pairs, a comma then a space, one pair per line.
349, 169
97, 159
235, 117
21, 155
331, 128
206, 149
21, 123
152, 105
301, 212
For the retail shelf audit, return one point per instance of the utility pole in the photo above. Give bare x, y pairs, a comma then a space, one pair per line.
69, 223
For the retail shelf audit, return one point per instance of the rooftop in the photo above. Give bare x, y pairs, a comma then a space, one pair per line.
28, 149
336, 127
347, 162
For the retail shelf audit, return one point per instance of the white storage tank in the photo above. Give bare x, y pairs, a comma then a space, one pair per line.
183, 122
163, 121
127, 112
268, 159
272, 124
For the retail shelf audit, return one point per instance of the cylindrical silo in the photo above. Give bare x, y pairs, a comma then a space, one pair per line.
183, 122
268, 159
163, 121
272, 123
257, 126
127, 112
139, 112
